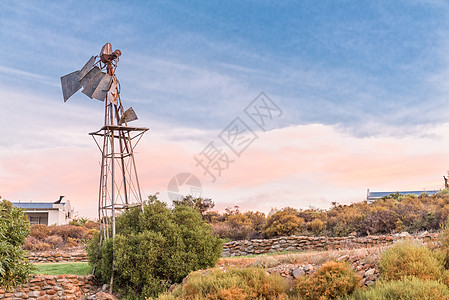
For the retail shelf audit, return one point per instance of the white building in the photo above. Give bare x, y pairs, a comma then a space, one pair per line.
47, 213
373, 196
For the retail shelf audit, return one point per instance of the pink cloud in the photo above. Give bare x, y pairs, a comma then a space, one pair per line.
296, 166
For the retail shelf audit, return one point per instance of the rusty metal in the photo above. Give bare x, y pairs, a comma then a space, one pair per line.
113, 92
106, 54
119, 186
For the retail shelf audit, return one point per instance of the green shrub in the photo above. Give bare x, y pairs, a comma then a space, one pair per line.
14, 228
407, 288
409, 259
154, 249
444, 241
330, 281
233, 283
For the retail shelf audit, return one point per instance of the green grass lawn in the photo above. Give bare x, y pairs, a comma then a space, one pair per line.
75, 268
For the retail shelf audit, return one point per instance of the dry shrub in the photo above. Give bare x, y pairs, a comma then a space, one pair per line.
30, 243
232, 283
66, 231
40, 231
41, 246
72, 242
266, 261
55, 241
409, 259
407, 288
90, 233
92, 225
444, 241
330, 281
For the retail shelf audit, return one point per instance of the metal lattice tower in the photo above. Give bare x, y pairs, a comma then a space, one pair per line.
119, 184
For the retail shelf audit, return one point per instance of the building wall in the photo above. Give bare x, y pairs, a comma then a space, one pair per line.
43, 218
54, 217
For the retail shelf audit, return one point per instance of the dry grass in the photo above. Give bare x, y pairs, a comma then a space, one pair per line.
367, 255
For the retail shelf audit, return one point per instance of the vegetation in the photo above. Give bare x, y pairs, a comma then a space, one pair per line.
330, 281
232, 283
43, 237
14, 228
410, 259
154, 249
395, 213
407, 288
76, 268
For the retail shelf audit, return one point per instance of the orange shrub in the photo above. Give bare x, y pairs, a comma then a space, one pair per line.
92, 225
30, 243
330, 281
40, 231
66, 231
55, 241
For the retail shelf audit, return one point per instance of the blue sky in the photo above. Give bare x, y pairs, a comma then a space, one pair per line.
369, 70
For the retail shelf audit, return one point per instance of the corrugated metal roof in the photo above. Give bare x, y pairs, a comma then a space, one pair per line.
33, 205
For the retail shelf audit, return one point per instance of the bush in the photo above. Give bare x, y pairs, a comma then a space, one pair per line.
407, 288
233, 283
283, 223
55, 241
409, 259
40, 231
69, 231
14, 228
155, 248
330, 281
444, 241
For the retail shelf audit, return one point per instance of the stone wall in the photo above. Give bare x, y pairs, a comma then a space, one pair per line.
52, 287
302, 243
57, 256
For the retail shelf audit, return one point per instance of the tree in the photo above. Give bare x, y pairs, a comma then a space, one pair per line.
200, 204
284, 222
155, 249
14, 228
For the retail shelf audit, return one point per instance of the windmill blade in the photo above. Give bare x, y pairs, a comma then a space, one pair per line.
98, 86
70, 85
128, 116
89, 76
86, 68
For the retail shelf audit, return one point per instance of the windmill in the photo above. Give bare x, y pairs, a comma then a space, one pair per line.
119, 185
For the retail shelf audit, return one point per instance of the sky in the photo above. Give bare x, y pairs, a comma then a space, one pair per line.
356, 97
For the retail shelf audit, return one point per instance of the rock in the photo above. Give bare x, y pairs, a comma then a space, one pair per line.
105, 287
370, 272
308, 268
423, 234
343, 258
369, 282
104, 296
298, 273
404, 234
